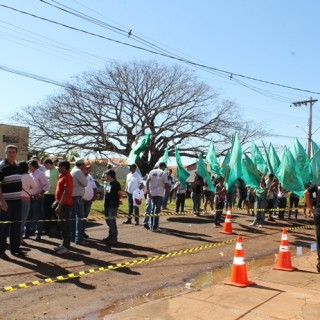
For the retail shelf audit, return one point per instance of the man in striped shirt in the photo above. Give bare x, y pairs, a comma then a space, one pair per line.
10, 198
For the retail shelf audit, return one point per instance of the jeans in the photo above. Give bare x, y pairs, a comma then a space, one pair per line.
165, 199
196, 199
36, 217
147, 211
86, 209
132, 208
64, 225
13, 229
156, 208
111, 214
25, 207
261, 205
78, 215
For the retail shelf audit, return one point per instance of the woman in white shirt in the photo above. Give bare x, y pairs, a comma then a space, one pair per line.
29, 188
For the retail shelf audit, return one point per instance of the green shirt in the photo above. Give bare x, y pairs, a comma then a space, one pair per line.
52, 175
261, 194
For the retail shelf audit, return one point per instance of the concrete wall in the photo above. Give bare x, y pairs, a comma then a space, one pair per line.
15, 135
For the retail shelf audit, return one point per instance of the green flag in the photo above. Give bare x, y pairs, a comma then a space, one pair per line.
315, 147
165, 156
203, 172
315, 167
136, 151
289, 175
212, 160
251, 175
182, 173
258, 159
270, 168
300, 156
225, 164
235, 164
282, 154
274, 159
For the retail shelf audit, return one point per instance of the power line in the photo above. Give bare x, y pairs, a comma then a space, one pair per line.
225, 72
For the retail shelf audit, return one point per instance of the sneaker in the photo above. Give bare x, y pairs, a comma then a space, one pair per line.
260, 225
62, 250
58, 247
127, 222
252, 224
85, 236
156, 230
136, 223
146, 226
18, 253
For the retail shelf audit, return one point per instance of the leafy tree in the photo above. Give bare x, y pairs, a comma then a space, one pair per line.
106, 112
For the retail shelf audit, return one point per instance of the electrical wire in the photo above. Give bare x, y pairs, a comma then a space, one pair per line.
228, 73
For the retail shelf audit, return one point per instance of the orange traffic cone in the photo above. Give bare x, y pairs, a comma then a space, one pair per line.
239, 276
227, 226
284, 257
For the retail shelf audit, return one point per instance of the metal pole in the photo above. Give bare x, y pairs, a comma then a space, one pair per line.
310, 130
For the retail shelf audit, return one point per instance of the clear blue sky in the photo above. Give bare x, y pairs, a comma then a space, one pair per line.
275, 41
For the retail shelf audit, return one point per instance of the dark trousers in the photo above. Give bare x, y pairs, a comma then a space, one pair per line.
180, 200
316, 216
219, 206
48, 213
12, 229
282, 203
294, 202
132, 208
111, 215
64, 225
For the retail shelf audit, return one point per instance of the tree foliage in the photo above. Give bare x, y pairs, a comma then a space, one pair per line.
107, 111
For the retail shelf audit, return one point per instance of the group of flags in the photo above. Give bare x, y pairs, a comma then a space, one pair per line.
292, 168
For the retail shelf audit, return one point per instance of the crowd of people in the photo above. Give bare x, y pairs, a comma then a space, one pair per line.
50, 198
43, 198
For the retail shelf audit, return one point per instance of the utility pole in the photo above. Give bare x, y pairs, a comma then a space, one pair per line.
305, 103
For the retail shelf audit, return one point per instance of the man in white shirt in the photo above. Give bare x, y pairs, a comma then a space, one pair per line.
79, 183
157, 183
133, 182
90, 194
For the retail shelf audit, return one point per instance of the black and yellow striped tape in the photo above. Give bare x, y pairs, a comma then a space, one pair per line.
126, 264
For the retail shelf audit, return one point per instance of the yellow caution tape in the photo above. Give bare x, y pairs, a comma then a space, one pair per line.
126, 264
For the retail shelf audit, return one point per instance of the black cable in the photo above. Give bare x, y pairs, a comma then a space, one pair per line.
231, 74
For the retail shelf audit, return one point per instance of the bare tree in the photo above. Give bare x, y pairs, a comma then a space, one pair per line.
109, 110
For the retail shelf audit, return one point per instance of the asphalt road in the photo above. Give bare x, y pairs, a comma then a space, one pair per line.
95, 280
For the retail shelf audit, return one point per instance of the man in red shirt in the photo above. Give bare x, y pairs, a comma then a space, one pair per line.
63, 205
